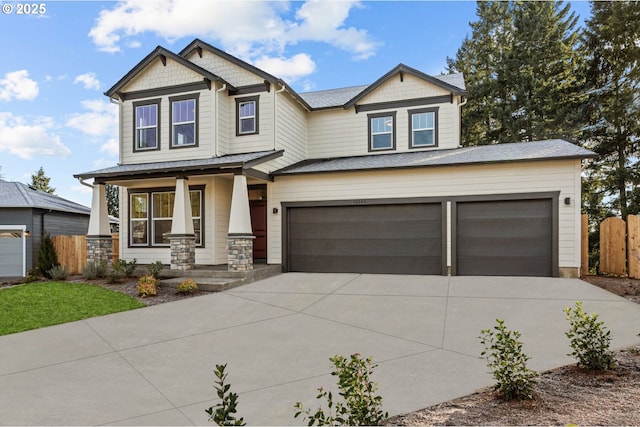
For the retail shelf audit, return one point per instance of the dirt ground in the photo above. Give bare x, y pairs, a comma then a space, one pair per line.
563, 396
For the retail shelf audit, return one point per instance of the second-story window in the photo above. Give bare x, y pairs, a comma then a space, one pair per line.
146, 125
184, 113
247, 113
423, 128
382, 135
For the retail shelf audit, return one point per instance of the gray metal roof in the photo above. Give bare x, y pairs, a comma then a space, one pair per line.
19, 195
455, 79
209, 164
553, 149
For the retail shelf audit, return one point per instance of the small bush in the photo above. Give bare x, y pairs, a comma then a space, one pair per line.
187, 286
33, 275
508, 363
155, 269
95, 270
589, 339
360, 407
58, 273
147, 286
222, 413
127, 268
47, 257
115, 276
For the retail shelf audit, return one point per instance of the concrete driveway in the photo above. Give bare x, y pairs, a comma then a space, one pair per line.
154, 366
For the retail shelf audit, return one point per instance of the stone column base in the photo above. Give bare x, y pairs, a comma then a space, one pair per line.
183, 252
99, 248
240, 252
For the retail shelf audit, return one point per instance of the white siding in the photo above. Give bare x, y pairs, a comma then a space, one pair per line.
229, 71
261, 141
563, 176
156, 75
409, 88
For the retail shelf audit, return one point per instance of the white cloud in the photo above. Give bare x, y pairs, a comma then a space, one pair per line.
110, 147
290, 69
28, 138
251, 30
88, 80
100, 120
18, 85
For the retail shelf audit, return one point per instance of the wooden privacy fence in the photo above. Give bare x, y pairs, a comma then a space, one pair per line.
72, 251
619, 244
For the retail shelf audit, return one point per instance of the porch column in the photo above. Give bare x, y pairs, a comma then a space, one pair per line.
182, 238
240, 237
99, 241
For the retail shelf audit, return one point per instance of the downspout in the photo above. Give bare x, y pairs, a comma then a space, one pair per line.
463, 102
119, 104
275, 115
216, 117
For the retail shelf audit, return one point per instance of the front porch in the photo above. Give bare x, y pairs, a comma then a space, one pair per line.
217, 278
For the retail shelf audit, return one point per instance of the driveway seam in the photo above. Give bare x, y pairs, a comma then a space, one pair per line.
446, 310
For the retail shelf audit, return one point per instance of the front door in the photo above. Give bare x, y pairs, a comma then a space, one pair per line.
259, 227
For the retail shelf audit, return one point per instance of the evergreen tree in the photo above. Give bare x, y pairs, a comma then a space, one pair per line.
47, 256
113, 202
40, 181
612, 40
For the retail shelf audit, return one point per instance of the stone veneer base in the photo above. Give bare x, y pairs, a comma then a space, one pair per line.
99, 248
240, 252
183, 252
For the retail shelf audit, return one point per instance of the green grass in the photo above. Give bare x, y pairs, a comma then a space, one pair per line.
36, 305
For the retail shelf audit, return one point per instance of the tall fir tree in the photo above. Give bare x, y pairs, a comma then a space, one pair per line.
612, 40
40, 181
521, 70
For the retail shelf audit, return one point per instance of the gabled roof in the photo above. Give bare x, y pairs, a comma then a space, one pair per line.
554, 149
163, 54
19, 195
332, 97
404, 69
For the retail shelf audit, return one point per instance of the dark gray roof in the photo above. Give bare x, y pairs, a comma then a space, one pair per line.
211, 164
19, 195
553, 149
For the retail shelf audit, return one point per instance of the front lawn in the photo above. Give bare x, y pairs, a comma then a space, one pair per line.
36, 305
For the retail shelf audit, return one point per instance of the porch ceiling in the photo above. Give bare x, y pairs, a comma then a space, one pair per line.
214, 165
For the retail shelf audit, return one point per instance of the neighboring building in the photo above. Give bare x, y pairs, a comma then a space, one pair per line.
26, 214
223, 163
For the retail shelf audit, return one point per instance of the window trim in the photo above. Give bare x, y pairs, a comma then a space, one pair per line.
157, 102
370, 117
256, 100
131, 220
433, 110
196, 123
149, 194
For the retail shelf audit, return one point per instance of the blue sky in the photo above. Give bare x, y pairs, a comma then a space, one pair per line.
58, 61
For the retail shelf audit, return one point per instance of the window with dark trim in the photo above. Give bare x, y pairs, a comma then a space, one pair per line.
184, 120
423, 128
247, 113
146, 125
151, 216
382, 131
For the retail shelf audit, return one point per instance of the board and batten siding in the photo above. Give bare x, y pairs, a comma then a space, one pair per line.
444, 182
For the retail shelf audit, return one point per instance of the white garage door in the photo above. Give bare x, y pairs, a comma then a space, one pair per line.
11, 253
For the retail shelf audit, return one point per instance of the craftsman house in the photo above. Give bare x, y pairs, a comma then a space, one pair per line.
223, 163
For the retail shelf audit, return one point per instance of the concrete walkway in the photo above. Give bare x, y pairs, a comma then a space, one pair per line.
154, 366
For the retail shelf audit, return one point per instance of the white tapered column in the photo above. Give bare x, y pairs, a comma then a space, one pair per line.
240, 238
182, 238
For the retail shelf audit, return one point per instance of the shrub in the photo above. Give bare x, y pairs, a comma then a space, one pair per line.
222, 413
95, 270
32, 276
360, 407
47, 257
115, 276
589, 339
147, 286
155, 269
508, 363
187, 286
127, 268
58, 272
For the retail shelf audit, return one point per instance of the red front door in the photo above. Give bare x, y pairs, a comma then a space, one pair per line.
259, 227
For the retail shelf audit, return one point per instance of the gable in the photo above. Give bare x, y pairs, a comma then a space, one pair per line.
402, 87
228, 70
157, 75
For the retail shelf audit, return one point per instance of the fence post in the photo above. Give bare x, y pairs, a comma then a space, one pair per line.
613, 246
633, 245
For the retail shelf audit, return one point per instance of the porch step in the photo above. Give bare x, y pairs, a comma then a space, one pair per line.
210, 284
215, 279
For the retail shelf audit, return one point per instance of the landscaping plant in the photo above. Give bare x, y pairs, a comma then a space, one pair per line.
508, 363
95, 270
589, 339
47, 257
222, 413
187, 286
126, 267
155, 269
57, 273
360, 405
147, 286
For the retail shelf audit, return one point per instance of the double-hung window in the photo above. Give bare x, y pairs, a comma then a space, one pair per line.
139, 216
184, 113
247, 113
146, 123
382, 134
423, 128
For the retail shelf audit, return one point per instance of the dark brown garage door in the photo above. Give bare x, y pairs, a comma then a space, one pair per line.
504, 238
395, 239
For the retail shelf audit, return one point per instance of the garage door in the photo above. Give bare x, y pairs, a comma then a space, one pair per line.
11, 253
504, 238
395, 239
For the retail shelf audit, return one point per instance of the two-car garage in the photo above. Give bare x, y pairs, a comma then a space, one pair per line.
508, 235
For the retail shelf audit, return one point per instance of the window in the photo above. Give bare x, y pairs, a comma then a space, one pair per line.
184, 130
247, 112
146, 125
422, 128
382, 134
159, 218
